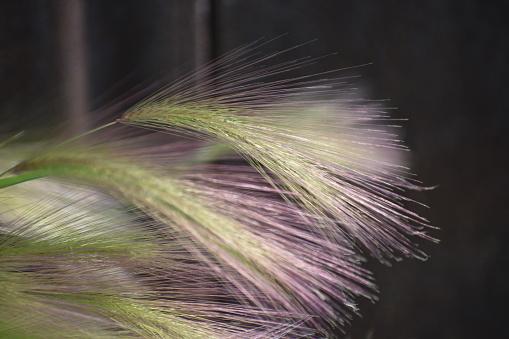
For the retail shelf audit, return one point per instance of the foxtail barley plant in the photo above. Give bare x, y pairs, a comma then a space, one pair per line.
242, 208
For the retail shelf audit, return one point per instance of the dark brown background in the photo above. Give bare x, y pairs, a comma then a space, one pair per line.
443, 63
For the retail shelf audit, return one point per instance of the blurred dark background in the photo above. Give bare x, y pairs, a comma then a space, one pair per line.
442, 63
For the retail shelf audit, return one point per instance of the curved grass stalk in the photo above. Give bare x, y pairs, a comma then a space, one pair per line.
81, 266
322, 160
270, 271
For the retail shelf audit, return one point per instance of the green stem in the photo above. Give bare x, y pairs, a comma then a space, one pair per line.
54, 147
6, 182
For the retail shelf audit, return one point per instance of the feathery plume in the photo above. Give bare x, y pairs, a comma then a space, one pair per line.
267, 248
80, 263
296, 131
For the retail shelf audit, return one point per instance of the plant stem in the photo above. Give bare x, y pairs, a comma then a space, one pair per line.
54, 147
6, 182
